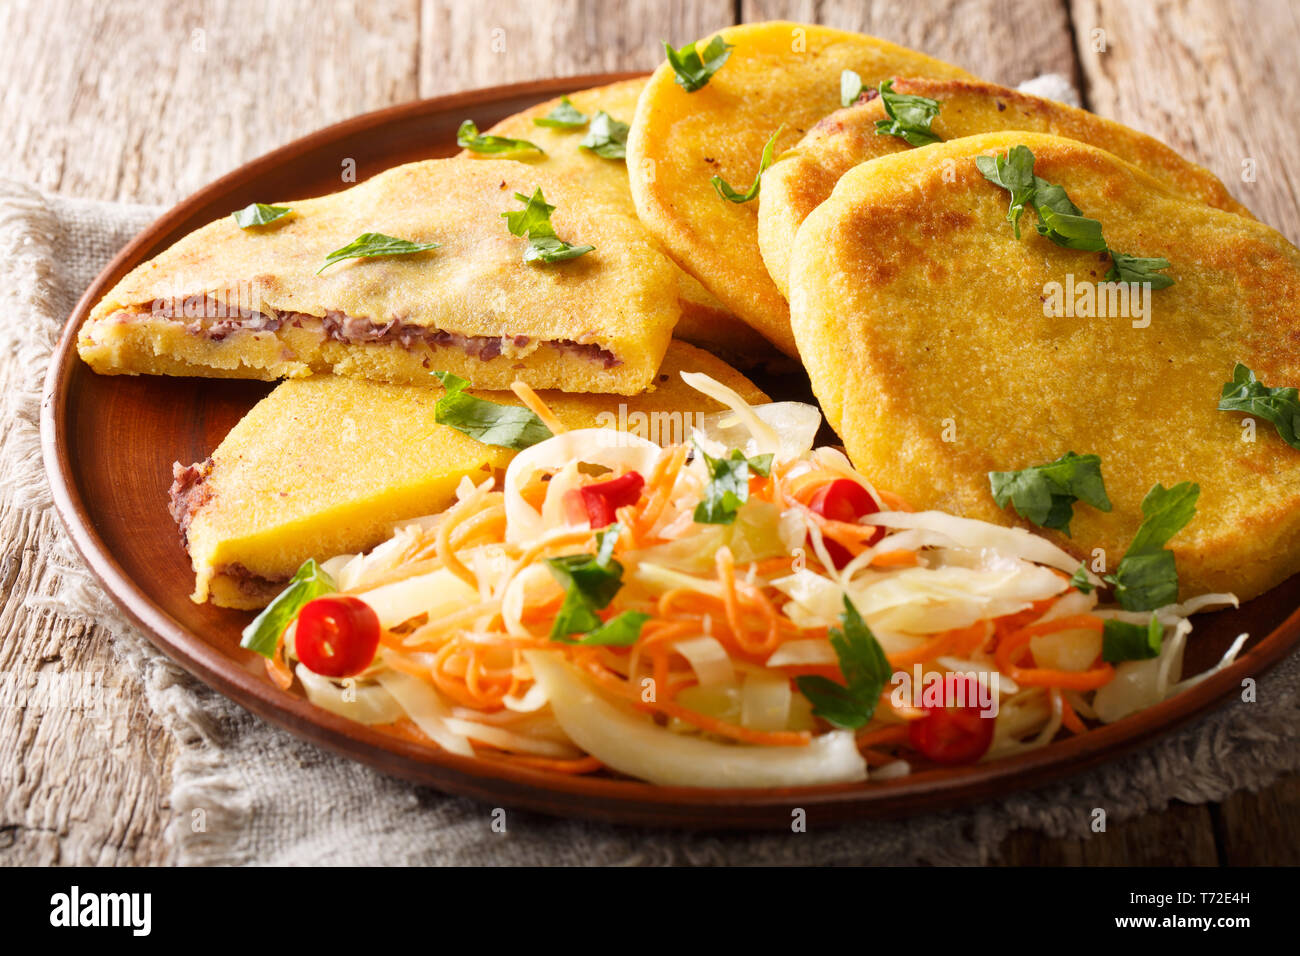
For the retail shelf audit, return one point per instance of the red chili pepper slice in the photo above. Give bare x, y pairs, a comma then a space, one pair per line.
603, 498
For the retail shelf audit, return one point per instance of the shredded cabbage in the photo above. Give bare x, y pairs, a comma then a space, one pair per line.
634, 745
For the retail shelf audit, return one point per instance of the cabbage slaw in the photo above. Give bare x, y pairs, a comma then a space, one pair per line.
708, 693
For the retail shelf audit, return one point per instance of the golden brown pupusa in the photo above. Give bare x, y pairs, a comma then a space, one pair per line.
620, 297
804, 176
779, 74
325, 465
704, 321
920, 317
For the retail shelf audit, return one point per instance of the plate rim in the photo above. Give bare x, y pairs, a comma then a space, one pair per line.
609, 800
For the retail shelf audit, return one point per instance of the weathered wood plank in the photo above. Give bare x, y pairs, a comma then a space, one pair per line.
1211, 80
468, 45
126, 101
145, 101
1005, 41
1181, 835
1261, 829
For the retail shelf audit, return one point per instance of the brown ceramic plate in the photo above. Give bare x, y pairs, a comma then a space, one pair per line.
109, 444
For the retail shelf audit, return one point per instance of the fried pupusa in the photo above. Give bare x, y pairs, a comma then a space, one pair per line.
778, 75
249, 303
326, 465
803, 177
921, 317
704, 320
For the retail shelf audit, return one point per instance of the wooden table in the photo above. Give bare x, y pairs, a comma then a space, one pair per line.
140, 101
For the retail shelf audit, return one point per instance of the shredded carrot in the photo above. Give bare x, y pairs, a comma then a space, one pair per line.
713, 725
1012, 646
538, 407
277, 668
659, 488
489, 523
895, 559
940, 644
1069, 717
893, 501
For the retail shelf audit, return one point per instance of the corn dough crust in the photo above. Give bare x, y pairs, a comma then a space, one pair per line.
326, 465
778, 74
549, 323
800, 180
704, 321
921, 320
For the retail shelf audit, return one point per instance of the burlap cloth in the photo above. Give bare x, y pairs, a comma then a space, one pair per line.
268, 797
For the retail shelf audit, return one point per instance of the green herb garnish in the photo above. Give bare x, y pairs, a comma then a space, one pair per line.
729, 194
866, 672
1014, 173
370, 244
506, 426
851, 87
590, 582
909, 116
1126, 268
564, 116
1061, 220
1079, 579
693, 70
1246, 393
259, 214
728, 486
534, 222
1122, 641
263, 635
1147, 576
607, 137
1045, 494
468, 137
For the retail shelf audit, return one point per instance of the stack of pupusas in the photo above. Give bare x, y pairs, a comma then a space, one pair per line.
984, 287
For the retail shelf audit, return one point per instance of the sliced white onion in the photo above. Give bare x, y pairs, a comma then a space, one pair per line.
804, 652
765, 438
634, 745
596, 446
708, 658
658, 580
1228, 657
986, 675
765, 701
335, 566
365, 703
820, 599
534, 700
426, 709
536, 579
1073, 650
436, 593
504, 739
794, 424
973, 534
922, 600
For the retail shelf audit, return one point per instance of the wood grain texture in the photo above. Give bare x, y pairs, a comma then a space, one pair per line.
1004, 42
1182, 835
112, 101
145, 101
469, 45
1210, 79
